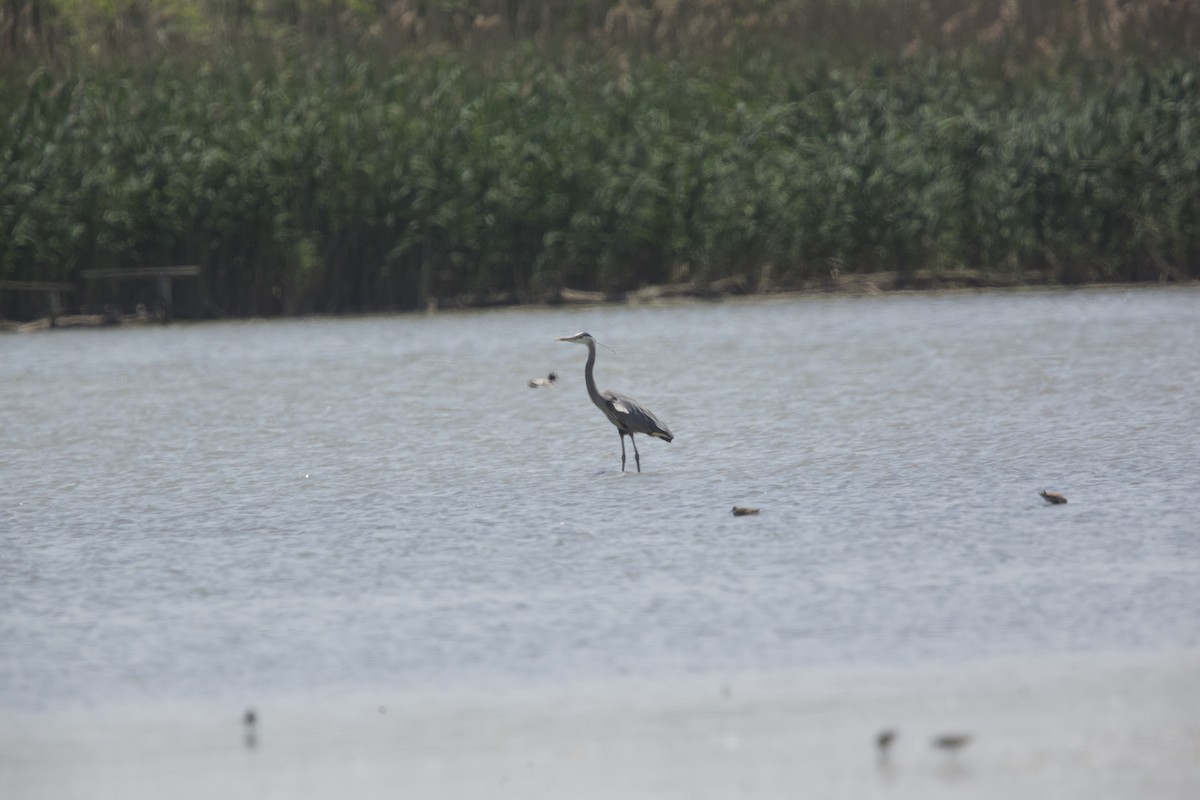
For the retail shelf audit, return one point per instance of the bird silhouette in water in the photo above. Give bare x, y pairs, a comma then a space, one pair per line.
1053, 498
250, 728
543, 383
883, 743
951, 742
743, 511
628, 415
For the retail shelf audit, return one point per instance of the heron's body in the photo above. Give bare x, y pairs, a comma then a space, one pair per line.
626, 414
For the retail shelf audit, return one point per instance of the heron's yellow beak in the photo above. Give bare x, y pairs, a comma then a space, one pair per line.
579, 338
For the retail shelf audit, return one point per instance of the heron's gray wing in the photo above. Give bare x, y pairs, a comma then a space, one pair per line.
633, 417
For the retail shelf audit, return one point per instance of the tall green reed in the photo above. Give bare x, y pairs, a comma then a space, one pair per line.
335, 181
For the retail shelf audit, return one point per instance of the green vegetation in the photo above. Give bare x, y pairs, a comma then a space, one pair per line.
346, 156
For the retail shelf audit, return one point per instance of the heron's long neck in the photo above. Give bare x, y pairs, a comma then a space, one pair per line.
588, 377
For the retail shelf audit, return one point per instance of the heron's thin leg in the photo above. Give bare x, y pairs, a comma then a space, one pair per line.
637, 458
622, 435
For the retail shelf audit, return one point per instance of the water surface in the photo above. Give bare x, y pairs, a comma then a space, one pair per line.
242, 510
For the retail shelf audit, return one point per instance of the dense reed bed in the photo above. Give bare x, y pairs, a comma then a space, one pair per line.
322, 172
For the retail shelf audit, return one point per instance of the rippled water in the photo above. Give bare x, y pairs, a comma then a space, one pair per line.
245, 510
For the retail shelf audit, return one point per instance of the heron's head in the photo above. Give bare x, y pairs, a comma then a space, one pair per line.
583, 337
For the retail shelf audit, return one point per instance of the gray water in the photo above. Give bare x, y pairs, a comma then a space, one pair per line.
232, 512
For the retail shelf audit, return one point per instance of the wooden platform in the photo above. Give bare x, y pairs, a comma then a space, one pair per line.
163, 276
52, 289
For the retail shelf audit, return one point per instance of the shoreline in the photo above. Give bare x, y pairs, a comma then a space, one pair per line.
851, 285
1094, 726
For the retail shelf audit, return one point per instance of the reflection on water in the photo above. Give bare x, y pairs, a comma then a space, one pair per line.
238, 511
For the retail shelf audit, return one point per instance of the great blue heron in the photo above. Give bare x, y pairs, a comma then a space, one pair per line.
627, 414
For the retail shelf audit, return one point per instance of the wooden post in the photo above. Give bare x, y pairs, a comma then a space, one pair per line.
55, 306
164, 297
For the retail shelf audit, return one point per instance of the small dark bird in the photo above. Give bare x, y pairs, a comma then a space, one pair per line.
884, 740
951, 742
1054, 498
543, 383
626, 414
741, 511
250, 728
